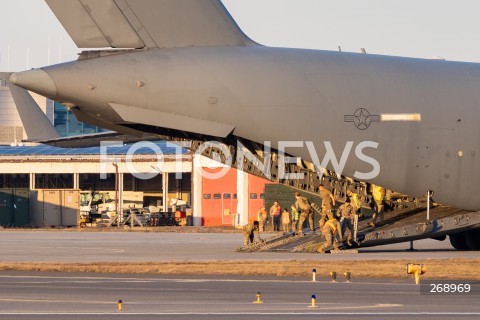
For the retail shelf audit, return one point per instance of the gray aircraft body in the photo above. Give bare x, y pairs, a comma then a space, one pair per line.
189, 68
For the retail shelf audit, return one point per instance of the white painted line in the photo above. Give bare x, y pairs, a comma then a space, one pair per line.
75, 279
415, 117
59, 301
321, 305
241, 313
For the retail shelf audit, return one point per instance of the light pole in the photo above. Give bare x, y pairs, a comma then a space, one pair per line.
117, 213
118, 192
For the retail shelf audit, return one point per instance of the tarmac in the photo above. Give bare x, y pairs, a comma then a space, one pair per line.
79, 296
38, 295
59, 246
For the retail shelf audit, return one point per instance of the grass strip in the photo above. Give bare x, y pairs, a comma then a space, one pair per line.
461, 269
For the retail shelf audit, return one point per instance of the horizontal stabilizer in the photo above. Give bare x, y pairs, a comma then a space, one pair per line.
148, 23
93, 140
35, 122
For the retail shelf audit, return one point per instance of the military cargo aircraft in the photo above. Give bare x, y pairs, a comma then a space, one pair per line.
183, 70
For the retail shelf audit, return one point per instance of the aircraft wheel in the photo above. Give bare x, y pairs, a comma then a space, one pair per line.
458, 241
442, 238
472, 239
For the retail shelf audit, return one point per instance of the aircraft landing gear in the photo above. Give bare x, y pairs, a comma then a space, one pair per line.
467, 240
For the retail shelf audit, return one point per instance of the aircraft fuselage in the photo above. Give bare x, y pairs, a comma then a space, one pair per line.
422, 113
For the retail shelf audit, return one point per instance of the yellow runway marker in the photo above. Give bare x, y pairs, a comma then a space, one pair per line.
417, 270
259, 296
333, 275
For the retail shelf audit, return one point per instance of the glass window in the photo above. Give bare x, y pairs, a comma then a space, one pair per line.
54, 181
179, 185
253, 196
14, 181
97, 199
217, 196
67, 125
235, 196
262, 195
227, 196
85, 198
107, 198
92, 181
207, 196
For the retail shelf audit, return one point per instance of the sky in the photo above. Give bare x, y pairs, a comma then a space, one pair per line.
31, 36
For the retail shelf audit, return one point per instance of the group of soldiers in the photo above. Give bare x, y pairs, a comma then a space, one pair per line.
331, 225
335, 227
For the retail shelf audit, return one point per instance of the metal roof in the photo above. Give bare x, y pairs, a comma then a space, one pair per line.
141, 148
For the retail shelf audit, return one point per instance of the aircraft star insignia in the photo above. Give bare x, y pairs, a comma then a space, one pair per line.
362, 118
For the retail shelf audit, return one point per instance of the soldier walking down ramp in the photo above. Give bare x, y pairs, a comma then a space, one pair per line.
248, 232
378, 195
306, 212
328, 201
330, 229
354, 200
347, 214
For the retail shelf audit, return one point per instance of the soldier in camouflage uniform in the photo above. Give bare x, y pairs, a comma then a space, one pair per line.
262, 218
328, 201
295, 217
378, 193
346, 213
248, 232
329, 230
306, 212
354, 200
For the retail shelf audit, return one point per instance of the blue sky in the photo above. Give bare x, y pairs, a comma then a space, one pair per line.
413, 28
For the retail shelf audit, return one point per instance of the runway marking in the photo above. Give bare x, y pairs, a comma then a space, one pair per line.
240, 313
375, 306
152, 303
60, 301
186, 280
109, 288
78, 250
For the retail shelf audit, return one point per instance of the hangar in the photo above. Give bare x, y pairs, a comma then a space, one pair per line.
213, 202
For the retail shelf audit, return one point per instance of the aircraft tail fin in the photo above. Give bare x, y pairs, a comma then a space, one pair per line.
148, 23
35, 122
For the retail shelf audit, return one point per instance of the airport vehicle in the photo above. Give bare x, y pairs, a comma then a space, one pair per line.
100, 205
188, 73
94, 204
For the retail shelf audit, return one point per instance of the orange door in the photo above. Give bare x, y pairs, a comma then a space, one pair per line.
227, 209
219, 199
